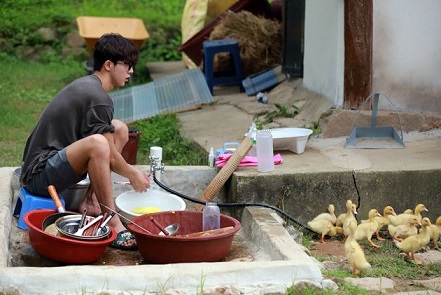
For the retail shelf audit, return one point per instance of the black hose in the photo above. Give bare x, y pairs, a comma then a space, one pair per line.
358, 192
231, 204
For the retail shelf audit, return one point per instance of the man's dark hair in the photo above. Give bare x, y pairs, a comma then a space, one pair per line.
114, 47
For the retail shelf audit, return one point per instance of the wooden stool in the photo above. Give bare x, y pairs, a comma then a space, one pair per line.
213, 47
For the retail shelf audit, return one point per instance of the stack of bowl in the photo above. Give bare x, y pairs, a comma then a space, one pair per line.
63, 249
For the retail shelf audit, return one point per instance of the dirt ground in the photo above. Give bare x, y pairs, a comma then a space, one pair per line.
332, 255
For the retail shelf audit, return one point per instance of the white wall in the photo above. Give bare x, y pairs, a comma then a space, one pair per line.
324, 48
407, 53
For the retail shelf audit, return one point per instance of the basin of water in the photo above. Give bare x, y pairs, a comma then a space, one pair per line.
133, 204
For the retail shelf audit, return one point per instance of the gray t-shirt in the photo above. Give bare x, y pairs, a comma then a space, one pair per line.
81, 109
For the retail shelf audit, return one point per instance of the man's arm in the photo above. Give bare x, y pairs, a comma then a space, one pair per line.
138, 179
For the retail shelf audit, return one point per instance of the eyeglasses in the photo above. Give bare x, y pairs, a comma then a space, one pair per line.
129, 64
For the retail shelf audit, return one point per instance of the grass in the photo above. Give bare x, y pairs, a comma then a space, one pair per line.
29, 85
24, 93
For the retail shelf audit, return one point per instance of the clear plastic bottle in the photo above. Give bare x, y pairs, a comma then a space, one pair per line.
211, 158
264, 148
210, 216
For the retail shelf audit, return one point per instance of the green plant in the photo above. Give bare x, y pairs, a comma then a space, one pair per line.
163, 131
280, 112
162, 287
315, 127
343, 289
200, 288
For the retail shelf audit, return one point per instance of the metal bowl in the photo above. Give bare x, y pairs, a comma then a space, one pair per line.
69, 224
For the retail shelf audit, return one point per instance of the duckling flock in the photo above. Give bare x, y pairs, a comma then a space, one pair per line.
409, 231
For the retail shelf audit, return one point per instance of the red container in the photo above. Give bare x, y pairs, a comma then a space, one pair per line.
130, 150
62, 249
179, 249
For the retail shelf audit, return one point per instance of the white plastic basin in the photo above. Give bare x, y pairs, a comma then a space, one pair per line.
128, 201
293, 139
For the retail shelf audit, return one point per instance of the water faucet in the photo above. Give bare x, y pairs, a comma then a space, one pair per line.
156, 165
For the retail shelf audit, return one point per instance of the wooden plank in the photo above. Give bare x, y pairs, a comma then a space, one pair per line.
358, 29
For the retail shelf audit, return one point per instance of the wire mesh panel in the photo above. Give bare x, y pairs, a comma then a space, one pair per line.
169, 94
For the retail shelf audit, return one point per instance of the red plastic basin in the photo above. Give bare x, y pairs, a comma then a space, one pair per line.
176, 249
66, 250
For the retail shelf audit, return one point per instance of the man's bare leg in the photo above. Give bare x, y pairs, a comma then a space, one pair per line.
91, 202
92, 154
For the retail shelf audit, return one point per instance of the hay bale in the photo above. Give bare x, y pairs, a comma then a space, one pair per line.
259, 39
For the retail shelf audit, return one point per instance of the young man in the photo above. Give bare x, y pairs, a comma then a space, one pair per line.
76, 135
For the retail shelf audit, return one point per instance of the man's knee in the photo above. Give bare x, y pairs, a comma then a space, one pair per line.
121, 134
98, 143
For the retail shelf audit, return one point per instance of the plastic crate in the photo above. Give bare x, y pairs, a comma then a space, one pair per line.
263, 80
92, 28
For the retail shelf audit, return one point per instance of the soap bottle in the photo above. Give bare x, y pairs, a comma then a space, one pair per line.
210, 216
211, 158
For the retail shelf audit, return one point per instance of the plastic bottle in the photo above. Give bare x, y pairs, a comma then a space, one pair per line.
211, 158
210, 216
265, 154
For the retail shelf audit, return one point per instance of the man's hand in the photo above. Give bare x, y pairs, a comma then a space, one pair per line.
140, 181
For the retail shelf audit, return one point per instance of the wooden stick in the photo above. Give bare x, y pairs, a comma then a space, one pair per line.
227, 170
208, 232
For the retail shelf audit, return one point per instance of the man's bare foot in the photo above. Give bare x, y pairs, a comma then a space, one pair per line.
90, 204
125, 240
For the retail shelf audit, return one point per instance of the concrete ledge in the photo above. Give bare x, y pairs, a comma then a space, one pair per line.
6, 196
266, 229
328, 173
287, 263
187, 277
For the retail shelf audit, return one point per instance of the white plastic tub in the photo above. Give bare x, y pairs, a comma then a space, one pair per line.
128, 201
293, 139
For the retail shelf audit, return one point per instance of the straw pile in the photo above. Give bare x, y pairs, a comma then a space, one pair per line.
259, 39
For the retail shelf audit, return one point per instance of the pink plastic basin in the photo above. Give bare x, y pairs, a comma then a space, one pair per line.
66, 250
179, 249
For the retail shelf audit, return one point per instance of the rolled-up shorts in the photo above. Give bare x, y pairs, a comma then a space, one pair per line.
57, 172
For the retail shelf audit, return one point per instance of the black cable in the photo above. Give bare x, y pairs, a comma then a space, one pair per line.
231, 204
358, 192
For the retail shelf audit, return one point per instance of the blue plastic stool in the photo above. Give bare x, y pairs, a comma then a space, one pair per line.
27, 201
213, 47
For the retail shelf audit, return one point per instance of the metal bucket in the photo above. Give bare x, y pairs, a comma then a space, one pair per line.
74, 195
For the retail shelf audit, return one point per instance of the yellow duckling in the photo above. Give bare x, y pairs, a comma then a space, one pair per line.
412, 244
324, 227
330, 215
365, 230
404, 218
382, 221
408, 211
342, 216
349, 217
403, 231
354, 253
435, 231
